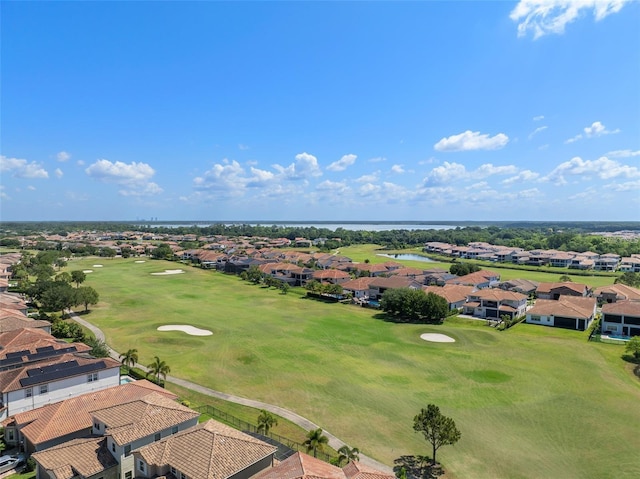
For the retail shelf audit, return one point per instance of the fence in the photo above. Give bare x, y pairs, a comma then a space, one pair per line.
286, 447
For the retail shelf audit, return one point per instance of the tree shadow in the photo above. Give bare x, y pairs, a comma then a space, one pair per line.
630, 358
417, 467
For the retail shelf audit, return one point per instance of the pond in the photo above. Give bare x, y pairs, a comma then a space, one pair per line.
408, 257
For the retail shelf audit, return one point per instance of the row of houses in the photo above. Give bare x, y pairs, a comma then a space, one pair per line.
139, 430
539, 257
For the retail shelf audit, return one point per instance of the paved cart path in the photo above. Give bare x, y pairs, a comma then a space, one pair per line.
303, 422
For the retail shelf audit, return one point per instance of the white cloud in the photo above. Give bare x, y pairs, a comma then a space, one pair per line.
4, 195
243, 147
595, 130
343, 163
259, 177
63, 156
20, 168
543, 17
598, 129
523, 176
304, 167
445, 173
489, 170
623, 153
377, 159
58, 173
627, 186
538, 118
227, 179
536, 131
31, 188
80, 163
398, 169
370, 178
133, 177
338, 187
603, 168
529, 193
470, 140
368, 189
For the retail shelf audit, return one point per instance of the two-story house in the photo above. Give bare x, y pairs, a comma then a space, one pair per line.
494, 303
621, 318
569, 312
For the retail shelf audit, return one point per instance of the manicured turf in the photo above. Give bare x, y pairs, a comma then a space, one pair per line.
531, 402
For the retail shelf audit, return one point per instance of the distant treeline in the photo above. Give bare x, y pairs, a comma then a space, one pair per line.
570, 236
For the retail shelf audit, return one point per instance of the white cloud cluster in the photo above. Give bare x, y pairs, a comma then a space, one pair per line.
522, 177
536, 131
63, 156
596, 129
450, 172
623, 153
472, 140
603, 168
134, 177
543, 17
20, 168
343, 163
305, 166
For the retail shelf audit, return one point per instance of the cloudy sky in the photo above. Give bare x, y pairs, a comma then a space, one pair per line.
321, 111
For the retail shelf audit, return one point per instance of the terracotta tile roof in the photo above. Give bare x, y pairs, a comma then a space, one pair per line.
498, 295
371, 267
628, 308
452, 293
568, 306
357, 470
10, 320
74, 414
143, 417
210, 450
408, 272
29, 339
393, 282
621, 291
478, 277
80, 457
330, 274
302, 466
359, 284
10, 380
546, 288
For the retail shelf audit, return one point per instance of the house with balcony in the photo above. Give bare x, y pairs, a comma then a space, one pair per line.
630, 264
607, 262
494, 303
621, 318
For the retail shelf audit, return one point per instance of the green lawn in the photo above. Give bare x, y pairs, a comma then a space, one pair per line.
531, 402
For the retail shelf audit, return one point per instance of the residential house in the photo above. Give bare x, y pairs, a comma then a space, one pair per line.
607, 262
379, 285
480, 279
567, 288
56, 423
333, 276
437, 276
522, 286
630, 264
494, 303
454, 294
208, 450
370, 269
621, 318
304, 466
86, 458
359, 288
568, 312
616, 292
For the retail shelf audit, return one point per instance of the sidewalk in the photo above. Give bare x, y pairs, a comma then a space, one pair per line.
303, 422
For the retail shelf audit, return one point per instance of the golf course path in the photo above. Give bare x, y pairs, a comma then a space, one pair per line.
303, 422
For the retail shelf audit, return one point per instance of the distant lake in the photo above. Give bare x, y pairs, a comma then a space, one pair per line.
408, 257
329, 226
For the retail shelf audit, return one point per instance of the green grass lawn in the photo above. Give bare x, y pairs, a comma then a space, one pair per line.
531, 402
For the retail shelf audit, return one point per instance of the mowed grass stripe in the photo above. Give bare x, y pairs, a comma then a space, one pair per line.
530, 402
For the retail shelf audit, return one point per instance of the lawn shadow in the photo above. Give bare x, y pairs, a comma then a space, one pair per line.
417, 467
387, 318
630, 358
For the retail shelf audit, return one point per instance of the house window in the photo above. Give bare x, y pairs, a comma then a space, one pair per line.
156, 437
113, 447
28, 392
92, 377
127, 449
10, 435
141, 466
535, 318
174, 429
128, 475
96, 425
173, 470
44, 389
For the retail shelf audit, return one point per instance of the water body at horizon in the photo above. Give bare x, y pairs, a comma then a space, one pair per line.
329, 226
407, 256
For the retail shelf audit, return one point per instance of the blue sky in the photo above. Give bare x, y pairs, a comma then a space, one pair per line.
320, 111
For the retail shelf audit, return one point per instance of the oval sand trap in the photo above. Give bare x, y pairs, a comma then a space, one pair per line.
97, 266
437, 338
192, 330
140, 261
87, 271
168, 271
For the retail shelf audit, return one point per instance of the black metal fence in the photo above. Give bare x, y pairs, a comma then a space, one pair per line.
286, 447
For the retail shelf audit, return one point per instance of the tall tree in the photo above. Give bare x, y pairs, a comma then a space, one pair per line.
315, 441
346, 455
266, 421
158, 368
438, 430
86, 296
633, 347
78, 277
130, 358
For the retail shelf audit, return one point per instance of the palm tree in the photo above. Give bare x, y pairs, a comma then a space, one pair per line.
346, 455
129, 359
158, 368
316, 441
266, 421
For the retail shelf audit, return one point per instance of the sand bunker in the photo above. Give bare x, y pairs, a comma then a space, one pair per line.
140, 261
169, 271
437, 338
193, 331
87, 271
97, 266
